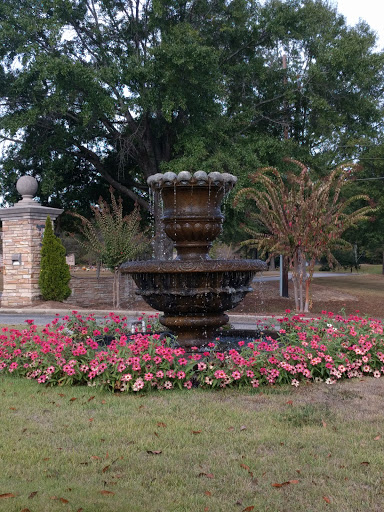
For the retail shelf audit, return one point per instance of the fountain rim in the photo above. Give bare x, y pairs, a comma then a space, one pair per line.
189, 180
192, 266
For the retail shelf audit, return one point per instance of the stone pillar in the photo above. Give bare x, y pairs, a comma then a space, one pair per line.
23, 228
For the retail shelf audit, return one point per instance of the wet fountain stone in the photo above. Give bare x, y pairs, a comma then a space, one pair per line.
193, 290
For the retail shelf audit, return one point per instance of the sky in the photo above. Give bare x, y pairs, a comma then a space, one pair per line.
371, 11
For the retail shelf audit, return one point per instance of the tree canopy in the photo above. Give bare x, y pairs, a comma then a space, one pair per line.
107, 92
369, 179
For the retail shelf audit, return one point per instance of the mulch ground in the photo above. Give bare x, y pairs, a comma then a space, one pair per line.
265, 299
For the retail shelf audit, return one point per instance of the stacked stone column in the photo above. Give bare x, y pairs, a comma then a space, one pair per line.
23, 228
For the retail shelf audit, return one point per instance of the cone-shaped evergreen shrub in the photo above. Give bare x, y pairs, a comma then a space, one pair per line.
54, 271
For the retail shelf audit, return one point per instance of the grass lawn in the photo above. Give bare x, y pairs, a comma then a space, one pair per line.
371, 269
311, 449
364, 269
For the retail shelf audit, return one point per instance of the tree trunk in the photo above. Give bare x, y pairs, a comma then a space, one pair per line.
308, 280
300, 279
117, 276
295, 280
307, 284
116, 288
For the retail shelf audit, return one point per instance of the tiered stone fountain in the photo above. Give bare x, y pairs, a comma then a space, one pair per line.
193, 291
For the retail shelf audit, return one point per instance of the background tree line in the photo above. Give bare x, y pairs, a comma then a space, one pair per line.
107, 92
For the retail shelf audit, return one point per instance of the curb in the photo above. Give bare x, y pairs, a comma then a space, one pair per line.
245, 319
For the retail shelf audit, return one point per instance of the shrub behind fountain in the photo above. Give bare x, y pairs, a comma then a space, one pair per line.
193, 290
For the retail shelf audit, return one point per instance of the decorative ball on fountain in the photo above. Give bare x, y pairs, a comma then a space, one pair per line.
193, 290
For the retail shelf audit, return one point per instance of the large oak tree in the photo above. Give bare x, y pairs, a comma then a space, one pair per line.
107, 92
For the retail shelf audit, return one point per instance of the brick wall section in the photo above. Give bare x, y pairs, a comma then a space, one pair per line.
92, 292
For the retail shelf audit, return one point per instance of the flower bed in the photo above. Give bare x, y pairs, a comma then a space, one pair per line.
69, 352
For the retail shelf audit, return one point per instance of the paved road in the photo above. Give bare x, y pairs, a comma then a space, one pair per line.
237, 321
43, 317
39, 318
262, 278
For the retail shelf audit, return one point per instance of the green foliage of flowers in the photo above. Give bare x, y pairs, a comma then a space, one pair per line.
54, 271
71, 351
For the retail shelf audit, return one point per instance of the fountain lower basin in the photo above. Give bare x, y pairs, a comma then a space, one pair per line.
193, 295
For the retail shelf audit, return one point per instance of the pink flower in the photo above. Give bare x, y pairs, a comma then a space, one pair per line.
13, 367
148, 376
139, 384
236, 375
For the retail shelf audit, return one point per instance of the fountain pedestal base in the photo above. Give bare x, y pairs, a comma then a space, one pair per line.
194, 331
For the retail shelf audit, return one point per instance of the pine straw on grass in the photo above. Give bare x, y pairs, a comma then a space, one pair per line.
351, 293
